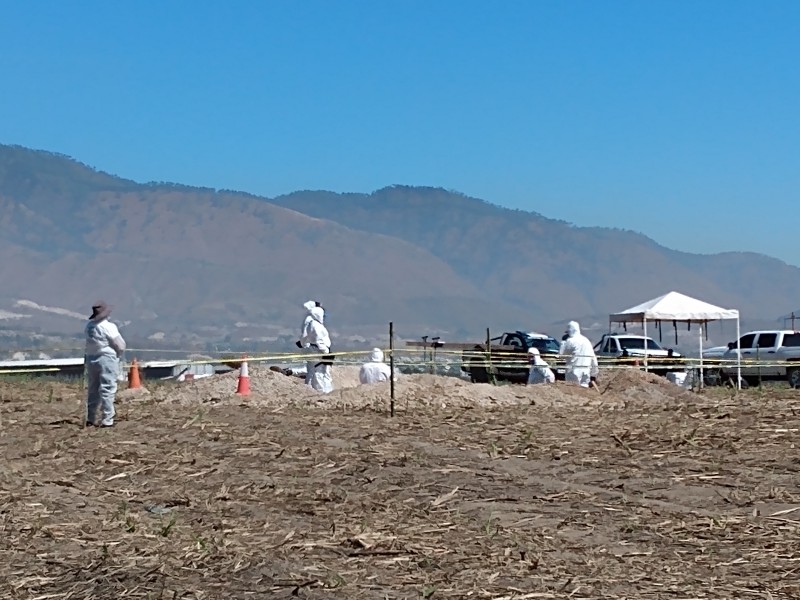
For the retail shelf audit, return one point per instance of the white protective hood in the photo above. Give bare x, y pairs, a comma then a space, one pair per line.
317, 314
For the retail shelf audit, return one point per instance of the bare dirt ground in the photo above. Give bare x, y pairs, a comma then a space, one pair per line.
639, 491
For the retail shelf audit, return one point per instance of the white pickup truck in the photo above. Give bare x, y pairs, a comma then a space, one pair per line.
619, 345
614, 348
765, 354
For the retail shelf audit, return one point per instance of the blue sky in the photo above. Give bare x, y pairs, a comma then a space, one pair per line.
677, 119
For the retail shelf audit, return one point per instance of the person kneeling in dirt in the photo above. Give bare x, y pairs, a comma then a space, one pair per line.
375, 371
540, 371
104, 346
317, 338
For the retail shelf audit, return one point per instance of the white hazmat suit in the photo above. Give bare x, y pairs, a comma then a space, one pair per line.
304, 332
104, 347
375, 371
540, 371
581, 360
317, 339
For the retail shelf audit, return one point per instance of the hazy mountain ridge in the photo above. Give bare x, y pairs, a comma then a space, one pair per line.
179, 259
591, 270
172, 257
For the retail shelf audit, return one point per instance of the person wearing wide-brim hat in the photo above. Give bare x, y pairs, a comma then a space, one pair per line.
104, 347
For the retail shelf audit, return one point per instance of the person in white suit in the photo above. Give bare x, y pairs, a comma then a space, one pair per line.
104, 347
540, 371
304, 331
581, 366
375, 371
317, 340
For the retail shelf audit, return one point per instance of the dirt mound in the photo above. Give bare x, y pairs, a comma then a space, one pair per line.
264, 384
275, 389
345, 376
430, 390
634, 384
134, 394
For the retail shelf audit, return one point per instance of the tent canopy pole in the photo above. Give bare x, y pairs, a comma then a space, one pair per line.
700, 383
738, 357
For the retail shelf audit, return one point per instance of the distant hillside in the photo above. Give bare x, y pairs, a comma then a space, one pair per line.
554, 269
186, 259
195, 263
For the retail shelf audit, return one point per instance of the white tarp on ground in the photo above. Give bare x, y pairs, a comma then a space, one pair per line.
675, 306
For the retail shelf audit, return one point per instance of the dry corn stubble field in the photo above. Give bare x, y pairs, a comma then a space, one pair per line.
624, 494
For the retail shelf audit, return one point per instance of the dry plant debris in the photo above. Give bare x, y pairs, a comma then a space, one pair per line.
639, 490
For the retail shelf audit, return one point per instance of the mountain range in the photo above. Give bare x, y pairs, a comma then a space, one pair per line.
185, 265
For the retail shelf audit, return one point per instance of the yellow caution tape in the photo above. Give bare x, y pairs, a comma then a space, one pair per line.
17, 371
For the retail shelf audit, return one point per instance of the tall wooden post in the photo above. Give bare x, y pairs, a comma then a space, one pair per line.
489, 372
391, 368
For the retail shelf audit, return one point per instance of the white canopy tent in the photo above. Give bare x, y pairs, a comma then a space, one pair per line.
675, 307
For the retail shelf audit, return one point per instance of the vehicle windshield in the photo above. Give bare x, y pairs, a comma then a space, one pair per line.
544, 345
638, 344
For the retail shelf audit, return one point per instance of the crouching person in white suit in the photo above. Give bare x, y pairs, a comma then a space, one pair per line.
375, 371
540, 371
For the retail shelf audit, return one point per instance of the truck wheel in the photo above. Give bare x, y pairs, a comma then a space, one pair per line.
713, 377
793, 375
478, 373
751, 381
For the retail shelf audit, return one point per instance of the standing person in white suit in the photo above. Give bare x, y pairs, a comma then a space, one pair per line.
581, 367
104, 347
304, 332
317, 339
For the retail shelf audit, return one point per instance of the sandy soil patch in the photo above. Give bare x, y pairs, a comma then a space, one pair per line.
640, 490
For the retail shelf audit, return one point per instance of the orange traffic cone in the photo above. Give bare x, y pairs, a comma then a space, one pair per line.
243, 388
134, 379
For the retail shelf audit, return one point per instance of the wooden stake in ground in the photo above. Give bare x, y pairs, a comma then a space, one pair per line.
391, 368
84, 400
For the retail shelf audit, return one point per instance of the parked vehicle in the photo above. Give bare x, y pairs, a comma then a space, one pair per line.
765, 355
619, 345
626, 348
508, 357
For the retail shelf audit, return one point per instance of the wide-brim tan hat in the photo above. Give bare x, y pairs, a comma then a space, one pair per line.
100, 310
